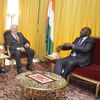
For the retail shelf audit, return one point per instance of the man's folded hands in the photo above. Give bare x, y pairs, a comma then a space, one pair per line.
21, 49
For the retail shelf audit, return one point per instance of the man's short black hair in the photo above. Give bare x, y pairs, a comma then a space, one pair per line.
89, 30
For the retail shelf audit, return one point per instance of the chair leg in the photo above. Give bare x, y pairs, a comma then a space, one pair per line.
12, 64
97, 89
4, 62
68, 78
52, 67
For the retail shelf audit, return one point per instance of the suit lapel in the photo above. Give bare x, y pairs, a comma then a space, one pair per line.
85, 41
76, 41
13, 37
19, 36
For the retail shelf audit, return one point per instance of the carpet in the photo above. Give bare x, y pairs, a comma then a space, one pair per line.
11, 90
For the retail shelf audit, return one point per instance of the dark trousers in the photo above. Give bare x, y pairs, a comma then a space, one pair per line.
67, 64
30, 54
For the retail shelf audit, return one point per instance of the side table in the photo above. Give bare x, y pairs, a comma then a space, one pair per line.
3, 57
52, 61
2, 66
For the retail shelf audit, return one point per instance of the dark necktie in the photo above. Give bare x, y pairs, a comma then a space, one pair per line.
17, 38
79, 43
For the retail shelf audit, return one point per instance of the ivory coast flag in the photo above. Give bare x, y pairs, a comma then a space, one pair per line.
50, 27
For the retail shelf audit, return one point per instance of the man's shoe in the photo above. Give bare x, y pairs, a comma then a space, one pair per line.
4, 70
19, 70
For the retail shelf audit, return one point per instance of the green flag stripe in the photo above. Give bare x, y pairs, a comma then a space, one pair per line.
49, 42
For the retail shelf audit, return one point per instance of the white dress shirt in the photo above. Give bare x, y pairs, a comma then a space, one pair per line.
74, 53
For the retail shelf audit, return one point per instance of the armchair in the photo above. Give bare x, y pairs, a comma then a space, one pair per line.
24, 55
91, 73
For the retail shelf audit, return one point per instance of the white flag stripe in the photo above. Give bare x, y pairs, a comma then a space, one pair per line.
51, 19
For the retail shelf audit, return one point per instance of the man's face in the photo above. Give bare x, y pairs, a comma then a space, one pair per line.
14, 29
84, 32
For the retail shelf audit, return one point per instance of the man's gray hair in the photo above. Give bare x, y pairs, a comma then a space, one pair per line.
13, 25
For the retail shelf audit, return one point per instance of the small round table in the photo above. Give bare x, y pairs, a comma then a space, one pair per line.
55, 89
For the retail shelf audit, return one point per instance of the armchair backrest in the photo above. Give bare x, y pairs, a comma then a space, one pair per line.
7, 47
5, 43
96, 51
4, 36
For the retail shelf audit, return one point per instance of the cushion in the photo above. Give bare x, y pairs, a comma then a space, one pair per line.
96, 51
91, 72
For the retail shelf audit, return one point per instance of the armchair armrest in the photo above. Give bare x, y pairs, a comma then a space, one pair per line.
8, 51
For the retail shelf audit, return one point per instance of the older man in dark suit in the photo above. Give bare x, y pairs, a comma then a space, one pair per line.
18, 45
80, 54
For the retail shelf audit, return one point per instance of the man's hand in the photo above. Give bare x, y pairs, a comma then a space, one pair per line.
21, 49
27, 45
58, 48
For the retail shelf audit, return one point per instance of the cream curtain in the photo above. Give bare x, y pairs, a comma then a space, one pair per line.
71, 16
31, 23
3, 5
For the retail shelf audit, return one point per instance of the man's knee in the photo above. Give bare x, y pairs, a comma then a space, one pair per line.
59, 61
31, 51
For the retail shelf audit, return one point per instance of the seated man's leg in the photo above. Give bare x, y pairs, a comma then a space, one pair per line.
30, 53
17, 55
72, 62
60, 65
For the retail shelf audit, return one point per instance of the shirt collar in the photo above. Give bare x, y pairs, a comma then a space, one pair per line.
85, 37
13, 33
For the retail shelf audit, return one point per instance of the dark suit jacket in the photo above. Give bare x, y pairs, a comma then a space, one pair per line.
83, 51
13, 43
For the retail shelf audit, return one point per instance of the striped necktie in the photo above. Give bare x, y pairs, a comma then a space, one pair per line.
17, 38
80, 41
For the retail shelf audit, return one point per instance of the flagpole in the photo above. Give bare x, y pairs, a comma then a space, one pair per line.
38, 14
37, 28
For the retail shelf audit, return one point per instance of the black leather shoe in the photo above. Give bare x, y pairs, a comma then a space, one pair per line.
19, 70
3, 70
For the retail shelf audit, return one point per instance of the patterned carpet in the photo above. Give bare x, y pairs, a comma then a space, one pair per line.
11, 90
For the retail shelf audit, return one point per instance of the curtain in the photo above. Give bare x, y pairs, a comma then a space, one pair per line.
41, 37
3, 5
71, 16
31, 23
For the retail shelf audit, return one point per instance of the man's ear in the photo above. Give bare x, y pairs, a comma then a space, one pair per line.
88, 34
